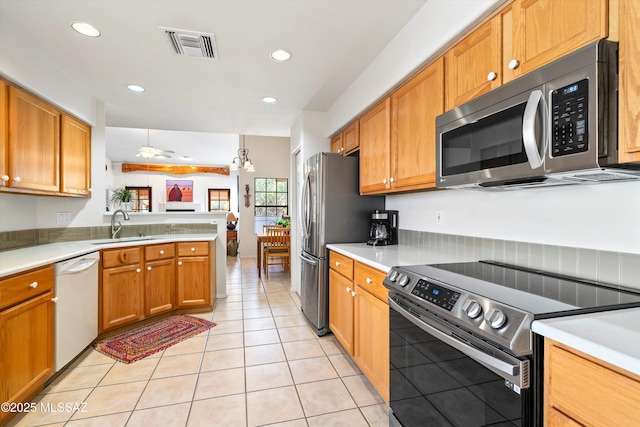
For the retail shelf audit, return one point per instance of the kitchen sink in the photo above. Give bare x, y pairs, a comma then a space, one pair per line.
120, 240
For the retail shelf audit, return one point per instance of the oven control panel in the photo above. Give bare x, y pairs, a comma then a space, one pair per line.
436, 294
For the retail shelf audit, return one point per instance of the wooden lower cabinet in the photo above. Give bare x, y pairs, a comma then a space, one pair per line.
359, 317
122, 287
580, 390
159, 278
26, 338
193, 277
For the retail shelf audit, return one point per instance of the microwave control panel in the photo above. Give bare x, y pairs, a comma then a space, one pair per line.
569, 107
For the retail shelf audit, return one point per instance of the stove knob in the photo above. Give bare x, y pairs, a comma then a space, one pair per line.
393, 275
496, 318
404, 280
472, 308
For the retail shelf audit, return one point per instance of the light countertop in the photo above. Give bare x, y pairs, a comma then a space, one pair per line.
610, 336
23, 259
385, 257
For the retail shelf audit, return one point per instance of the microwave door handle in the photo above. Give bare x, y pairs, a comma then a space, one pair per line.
529, 130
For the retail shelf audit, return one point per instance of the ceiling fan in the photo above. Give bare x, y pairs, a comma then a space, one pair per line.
150, 152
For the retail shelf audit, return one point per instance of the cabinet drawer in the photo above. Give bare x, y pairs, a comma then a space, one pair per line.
371, 279
154, 252
26, 285
341, 264
193, 248
118, 257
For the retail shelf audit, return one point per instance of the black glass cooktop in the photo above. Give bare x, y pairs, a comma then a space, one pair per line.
580, 296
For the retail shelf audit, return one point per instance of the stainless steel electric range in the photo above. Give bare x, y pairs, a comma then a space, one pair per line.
462, 352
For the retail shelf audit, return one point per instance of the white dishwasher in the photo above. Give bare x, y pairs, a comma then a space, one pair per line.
76, 296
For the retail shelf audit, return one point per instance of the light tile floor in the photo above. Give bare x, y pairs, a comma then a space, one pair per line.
261, 365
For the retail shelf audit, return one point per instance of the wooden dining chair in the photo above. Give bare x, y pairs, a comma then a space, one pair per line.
277, 249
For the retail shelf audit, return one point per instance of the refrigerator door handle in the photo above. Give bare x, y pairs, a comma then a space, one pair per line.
308, 260
306, 225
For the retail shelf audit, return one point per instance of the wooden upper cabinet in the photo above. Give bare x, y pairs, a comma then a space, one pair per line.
351, 138
629, 81
336, 143
544, 30
4, 133
75, 159
375, 155
414, 108
34, 143
474, 65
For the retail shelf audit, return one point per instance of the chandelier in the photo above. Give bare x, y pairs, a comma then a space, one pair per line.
242, 160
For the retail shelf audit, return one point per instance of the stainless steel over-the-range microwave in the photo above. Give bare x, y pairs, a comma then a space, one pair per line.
555, 125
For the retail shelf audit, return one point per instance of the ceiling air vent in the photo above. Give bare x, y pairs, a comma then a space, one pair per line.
190, 43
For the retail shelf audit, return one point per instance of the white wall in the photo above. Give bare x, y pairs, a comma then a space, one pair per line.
603, 216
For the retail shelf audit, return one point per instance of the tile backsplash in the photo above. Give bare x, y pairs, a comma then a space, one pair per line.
26, 238
615, 268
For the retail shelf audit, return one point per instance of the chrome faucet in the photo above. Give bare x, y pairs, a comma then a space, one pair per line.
115, 231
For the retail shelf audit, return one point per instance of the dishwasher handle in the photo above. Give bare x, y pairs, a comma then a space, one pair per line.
78, 266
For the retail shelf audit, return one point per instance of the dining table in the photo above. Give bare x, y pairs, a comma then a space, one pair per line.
261, 239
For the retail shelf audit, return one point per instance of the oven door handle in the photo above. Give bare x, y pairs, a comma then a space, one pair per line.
480, 356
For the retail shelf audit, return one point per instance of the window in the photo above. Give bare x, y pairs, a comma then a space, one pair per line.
141, 200
219, 199
271, 197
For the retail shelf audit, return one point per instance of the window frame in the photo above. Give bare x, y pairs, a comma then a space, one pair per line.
135, 201
221, 190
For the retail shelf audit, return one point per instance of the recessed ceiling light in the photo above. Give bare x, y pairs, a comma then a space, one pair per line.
135, 88
186, 157
269, 100
86, 29
280, 55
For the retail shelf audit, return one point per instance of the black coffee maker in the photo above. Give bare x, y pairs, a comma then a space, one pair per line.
384, 228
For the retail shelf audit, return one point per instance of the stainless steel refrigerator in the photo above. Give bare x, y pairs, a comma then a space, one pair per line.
333, 211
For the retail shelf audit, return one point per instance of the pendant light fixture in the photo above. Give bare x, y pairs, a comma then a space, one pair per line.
242, 160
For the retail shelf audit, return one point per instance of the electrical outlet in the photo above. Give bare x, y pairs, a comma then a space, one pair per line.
63, 218
439, 217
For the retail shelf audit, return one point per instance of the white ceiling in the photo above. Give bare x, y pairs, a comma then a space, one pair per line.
332, 42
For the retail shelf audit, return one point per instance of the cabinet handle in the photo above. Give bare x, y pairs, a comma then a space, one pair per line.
513, 64
492, 76
17, 179
353, 294
384, 181
149, 268
392, 180
368, 280
179, 262
161, 252
337, 264
5, 178
348, 289
54, 299
33, 285
193, 249
138, 270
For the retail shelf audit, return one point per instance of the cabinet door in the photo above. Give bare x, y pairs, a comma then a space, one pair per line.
375, 149
544, 30
336, 144
121, 295
34, 143
473, 66
629, 101
372, 339
160, 286
4, 133
351, 138
194, 287
26, 348
414, 108
75, 157
341, 309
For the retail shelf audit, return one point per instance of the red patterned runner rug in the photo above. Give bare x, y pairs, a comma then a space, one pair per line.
139, 343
